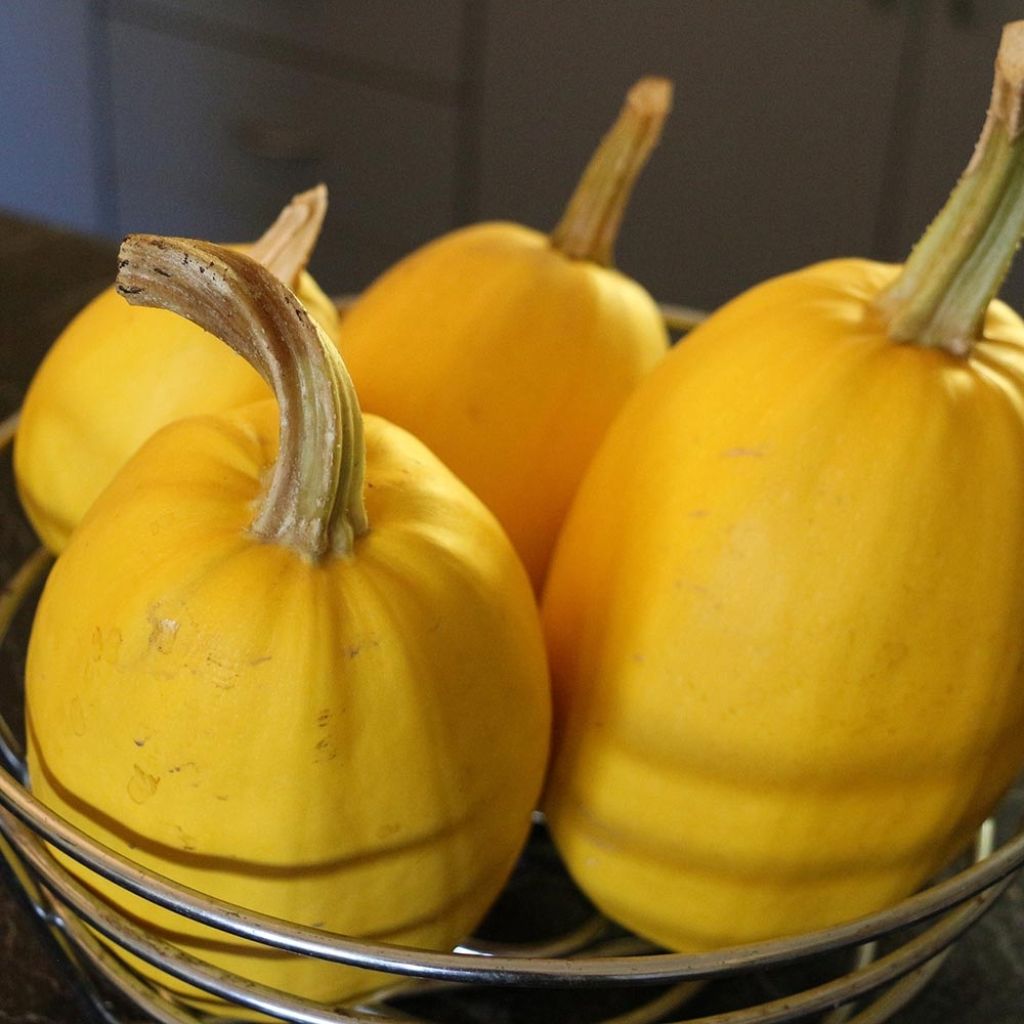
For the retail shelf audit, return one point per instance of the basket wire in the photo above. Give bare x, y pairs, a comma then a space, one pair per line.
579, 959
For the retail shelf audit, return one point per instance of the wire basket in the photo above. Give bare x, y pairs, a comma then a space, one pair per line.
883, 960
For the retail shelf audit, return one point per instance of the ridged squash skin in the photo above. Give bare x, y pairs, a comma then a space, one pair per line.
355, 744
509, 360
114, 376
784, 618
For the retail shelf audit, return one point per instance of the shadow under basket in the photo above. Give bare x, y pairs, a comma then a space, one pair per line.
543, 954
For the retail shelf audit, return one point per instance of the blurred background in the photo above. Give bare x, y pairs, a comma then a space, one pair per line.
802, 129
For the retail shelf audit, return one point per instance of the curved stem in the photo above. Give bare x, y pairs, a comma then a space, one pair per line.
313, 501
940, 298
8, 428
590, 224
286, 246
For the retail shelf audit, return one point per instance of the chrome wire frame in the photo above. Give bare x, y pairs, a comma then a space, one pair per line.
578, 959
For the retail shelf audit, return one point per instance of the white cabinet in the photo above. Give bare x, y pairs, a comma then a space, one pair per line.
211, 142
802, 129
50, 149
375, 40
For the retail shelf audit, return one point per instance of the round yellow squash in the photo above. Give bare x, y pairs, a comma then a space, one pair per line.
508, 352
248, 678
116, 374
785, 614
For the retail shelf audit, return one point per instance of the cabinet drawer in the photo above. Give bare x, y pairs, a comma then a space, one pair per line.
421, 39
212, 143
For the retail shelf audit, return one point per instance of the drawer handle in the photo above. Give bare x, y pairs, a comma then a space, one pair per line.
279, 141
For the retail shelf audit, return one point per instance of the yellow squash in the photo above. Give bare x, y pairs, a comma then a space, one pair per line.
251, 678
786, 615
508, 352
117, 374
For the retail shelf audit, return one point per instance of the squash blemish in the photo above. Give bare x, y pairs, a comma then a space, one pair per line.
163, 635
142, 785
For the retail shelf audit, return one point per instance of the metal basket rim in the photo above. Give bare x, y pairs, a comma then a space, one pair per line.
640, 968
921, 950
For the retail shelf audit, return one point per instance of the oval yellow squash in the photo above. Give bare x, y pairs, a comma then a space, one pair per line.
508, 352
785, 615
245, 675
117, 374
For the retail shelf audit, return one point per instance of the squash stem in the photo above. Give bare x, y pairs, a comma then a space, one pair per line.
286, 246
590, 225
313, 499
955, 270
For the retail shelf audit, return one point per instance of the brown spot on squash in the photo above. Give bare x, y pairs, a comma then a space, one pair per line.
106, 644
163, 634
142, 785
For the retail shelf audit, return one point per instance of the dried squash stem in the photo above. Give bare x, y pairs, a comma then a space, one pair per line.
313, 501
955, 270
286, 246
590, 224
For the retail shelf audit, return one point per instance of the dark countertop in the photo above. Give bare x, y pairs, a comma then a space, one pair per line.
45, 276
